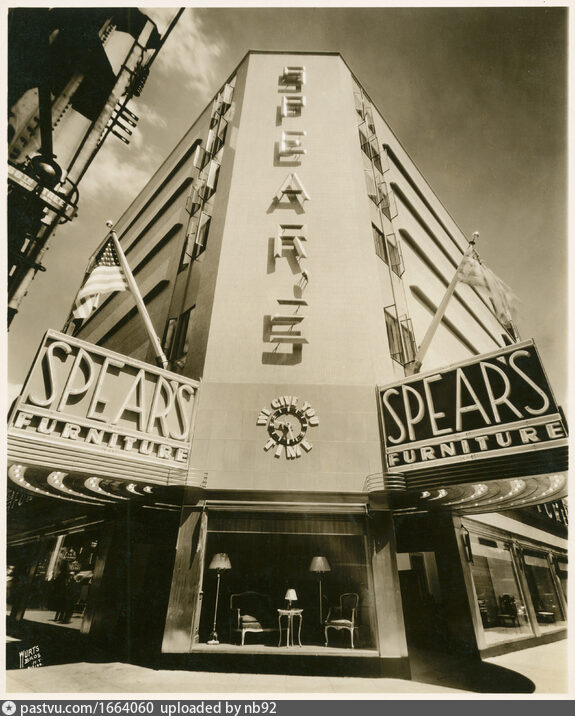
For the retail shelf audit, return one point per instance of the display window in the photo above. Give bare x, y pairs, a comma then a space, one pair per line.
287, 580
52, 582
544, 597
561, 570
498, 592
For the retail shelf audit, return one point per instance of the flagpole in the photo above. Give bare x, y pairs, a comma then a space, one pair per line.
133, 286
415, 367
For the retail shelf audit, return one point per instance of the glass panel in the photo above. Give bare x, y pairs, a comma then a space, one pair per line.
408, 340
542, 590
62, 579
380, 243
266, 562
562, 575
503, 612
168, 338
181, 342
393, 337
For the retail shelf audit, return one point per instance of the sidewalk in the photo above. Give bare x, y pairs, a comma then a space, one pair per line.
541, 669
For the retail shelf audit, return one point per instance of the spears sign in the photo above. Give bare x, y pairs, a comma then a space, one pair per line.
494, 411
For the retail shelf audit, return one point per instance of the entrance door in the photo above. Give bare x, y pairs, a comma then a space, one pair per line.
421, 598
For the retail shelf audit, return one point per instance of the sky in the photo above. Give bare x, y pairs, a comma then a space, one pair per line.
476, 95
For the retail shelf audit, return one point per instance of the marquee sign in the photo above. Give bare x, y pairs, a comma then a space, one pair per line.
491, 416
86, 409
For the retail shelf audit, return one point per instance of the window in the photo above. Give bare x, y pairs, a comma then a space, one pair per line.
370, 185
409, 345
358, 99
212, 180
194, 201
196, 240
542, 589
222, 102
270, 552
369, 121
169, 335
202, 235
394, 253
402, 345
388, 250
380, 243
393, 336
214, 142
369, 148
175, 339
385, 200
561, 570
499, 597
220, 137
365, 148
180, 347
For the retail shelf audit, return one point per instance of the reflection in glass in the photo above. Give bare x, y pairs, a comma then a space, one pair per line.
542, 590
561, 568
501, 605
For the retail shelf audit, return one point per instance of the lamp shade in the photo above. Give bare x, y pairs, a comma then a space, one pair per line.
220, 561
291, 595
319, 564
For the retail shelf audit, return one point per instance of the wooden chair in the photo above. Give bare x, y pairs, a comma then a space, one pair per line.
508, 610
343, 616
251, 612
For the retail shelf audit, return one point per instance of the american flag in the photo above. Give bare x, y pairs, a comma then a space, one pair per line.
475, 272
103, 275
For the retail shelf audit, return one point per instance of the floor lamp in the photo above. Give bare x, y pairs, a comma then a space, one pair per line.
220, 562
320, 565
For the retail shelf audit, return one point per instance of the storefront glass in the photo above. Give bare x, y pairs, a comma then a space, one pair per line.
501, 604
542, 590
59, 576
561, 569
269, 555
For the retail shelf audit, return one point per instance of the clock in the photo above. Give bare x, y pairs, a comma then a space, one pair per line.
287, 424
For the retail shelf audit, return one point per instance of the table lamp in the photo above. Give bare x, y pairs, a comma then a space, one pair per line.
290, 596
220, 562
320, 565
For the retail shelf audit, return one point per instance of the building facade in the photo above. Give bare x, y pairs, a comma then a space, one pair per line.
291, 257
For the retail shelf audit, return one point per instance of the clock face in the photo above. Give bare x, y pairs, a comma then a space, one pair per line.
287, 424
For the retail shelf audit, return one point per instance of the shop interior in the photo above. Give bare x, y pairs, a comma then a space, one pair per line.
286, 581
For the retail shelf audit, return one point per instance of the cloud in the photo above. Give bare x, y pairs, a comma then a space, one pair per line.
119, 170
150, 115
189, 51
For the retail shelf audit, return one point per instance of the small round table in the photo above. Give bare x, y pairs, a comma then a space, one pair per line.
289, 614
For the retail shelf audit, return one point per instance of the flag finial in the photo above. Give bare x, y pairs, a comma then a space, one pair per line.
474, 237
109, 223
